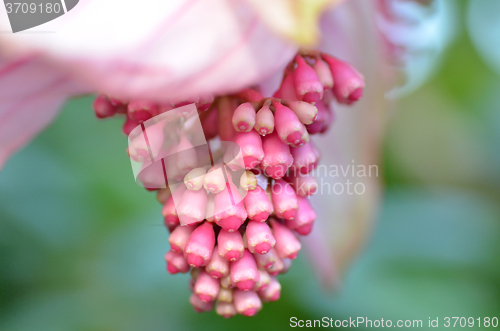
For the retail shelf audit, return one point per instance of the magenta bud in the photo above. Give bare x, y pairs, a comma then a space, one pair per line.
306, 113
141, 111
264, 281
287, 244
277, 156
204, 102
271, 292
206, 287
267, 260
200, 246
176, 263
251, 148
225, 309
348, 82
305, 158
218, 266
169, 213
288, 126
304, 185
324, 73
230, 245
244, 117
103, 107
260, 239
191, 209
243, 272
258, 205
180, 237
129, 125
229, 212
247, 302
302, 222
200, 306
264, 121
284, 199
307, 85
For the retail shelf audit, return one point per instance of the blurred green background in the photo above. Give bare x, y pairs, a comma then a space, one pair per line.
81, 245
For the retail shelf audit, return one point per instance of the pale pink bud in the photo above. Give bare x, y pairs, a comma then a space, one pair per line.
225, 281
266, 260
243, 272
260, 239
284, 199
271, 292
324, 73
251, 148
264, 121
348, 82
305, 112
194, 179
225, 309
247, 302
304, 185
198, 305
277, 157
277, 267
321, 122
303, 221
191, 208
248, 181
305, 158
179, 237
103, 107
170, 214
225, 295
230, 245
307, 84
141, 111
244, 117
264, 281
176, 263
218, 266
230, 212
200, 246
215, 179
288, 126
258, 205
206, 287
287, 244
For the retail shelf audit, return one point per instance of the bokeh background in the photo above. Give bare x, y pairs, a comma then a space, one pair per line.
81, 245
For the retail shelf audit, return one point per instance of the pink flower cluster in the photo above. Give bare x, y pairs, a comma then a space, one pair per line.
236, 244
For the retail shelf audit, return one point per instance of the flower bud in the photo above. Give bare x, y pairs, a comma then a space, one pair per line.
305, 158
141, 111
250, 145
288, 126
200, 246
214, 180
176, 263
348, 82
264, 281
258, 205
277, 157
247, 302
218, 266
244, 272
206, 287
230, 212
225, 309
195, 178
198, 305
260, 239
103, 107
230, 245
271, 292
287, 244
284, 200
303, 221
304, 185
306, 113
244, 117
180, 237
307, 85
248, 181
264, 121
225, 295
324, 73
267, 260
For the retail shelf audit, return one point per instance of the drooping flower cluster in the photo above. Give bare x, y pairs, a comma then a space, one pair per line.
235, 222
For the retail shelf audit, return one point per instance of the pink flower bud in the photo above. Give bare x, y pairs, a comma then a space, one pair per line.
200, 306
260, 239
258, 205
170, 214
305, 112
180, 237
215, 179
186, 157
225, 309
194, 179
176, 263
229, 210
264, 121
321, 122
284, 200
204, 102
277, 267
225, 295
129, 125
103, 107
141, 111
288, 126
303, 221
191, 208
305, 158
287, 244
147, 144
267, 260
271, 292
277, 157
218, 266
206, 287
247, 302
348, 82
248, 181
230, 245
324, 73
307, 84
287, 87
250, 145
225, 281
304, 185
200, 246
244, 272
244, 117
264, 281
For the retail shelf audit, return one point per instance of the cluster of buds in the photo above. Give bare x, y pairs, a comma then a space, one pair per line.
235, 223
